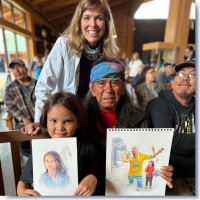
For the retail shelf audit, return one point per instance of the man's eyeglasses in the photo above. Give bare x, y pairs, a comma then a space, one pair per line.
183, 74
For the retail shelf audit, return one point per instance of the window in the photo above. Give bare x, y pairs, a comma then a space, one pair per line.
12, 14
157, 9
14, 46
19, 18
6, 11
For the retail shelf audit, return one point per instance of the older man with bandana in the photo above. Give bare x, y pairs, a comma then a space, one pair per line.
108, 105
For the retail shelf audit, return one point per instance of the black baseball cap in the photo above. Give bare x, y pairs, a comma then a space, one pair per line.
185, 64
16, 61
169, 64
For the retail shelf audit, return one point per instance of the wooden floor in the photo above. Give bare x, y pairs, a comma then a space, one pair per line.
6, 160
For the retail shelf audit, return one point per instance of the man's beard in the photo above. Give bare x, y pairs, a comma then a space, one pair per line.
183, 95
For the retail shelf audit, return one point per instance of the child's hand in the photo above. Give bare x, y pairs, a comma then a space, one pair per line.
87, 186
29, 192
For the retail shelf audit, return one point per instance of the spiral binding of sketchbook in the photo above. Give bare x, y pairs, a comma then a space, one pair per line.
141, 129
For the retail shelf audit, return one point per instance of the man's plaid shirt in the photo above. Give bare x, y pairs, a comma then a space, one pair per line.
14, 101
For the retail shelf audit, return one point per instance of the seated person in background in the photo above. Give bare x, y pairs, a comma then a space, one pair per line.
20, 99
38, 69
127, 60
2, 66
167, 75
134, 81
146, 87
33, 65
189, 53
122, 60
176, 109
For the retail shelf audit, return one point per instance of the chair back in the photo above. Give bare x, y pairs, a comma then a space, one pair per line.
14, 137
168, 86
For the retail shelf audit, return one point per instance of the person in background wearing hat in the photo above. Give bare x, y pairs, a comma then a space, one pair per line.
108, 105
176, 109
20, 99
167, 75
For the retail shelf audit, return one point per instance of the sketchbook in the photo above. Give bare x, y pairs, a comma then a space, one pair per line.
55, 171
133, 160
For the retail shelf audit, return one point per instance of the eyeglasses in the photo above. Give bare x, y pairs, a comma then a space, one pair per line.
183, 74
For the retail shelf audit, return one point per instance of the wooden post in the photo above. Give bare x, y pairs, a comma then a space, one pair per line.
178, 26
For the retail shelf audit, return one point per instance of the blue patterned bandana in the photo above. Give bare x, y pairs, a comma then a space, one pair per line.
107, 70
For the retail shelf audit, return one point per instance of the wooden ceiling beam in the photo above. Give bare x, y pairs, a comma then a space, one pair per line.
56, 14
64, 20
38, 2
58, 5
115, 3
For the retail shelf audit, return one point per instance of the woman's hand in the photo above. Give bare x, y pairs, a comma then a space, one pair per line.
29, 192
166, 172
31, 129
87, 186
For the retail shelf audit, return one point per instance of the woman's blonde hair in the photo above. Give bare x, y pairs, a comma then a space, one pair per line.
76, 40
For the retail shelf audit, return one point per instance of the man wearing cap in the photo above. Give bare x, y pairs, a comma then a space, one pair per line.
167, 75
108, 105
20, 99
176, 109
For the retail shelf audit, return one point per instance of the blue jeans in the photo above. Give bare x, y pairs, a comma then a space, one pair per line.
139, 182
149, 179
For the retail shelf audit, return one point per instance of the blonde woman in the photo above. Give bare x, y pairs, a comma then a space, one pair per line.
68, 66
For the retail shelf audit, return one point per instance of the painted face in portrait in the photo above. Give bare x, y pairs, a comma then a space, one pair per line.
50, 163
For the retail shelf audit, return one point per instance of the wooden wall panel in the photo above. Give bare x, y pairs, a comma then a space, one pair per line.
120, 15
124, 21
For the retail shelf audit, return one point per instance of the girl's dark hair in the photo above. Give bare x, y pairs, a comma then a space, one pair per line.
61, 169
142, 76
72, 103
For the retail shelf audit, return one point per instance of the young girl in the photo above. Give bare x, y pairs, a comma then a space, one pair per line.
149, 174
63, 115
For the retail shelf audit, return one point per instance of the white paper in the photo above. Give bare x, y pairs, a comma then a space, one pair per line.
121, 141
67, 150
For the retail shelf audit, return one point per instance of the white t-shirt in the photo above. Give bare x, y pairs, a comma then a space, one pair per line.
134, 66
